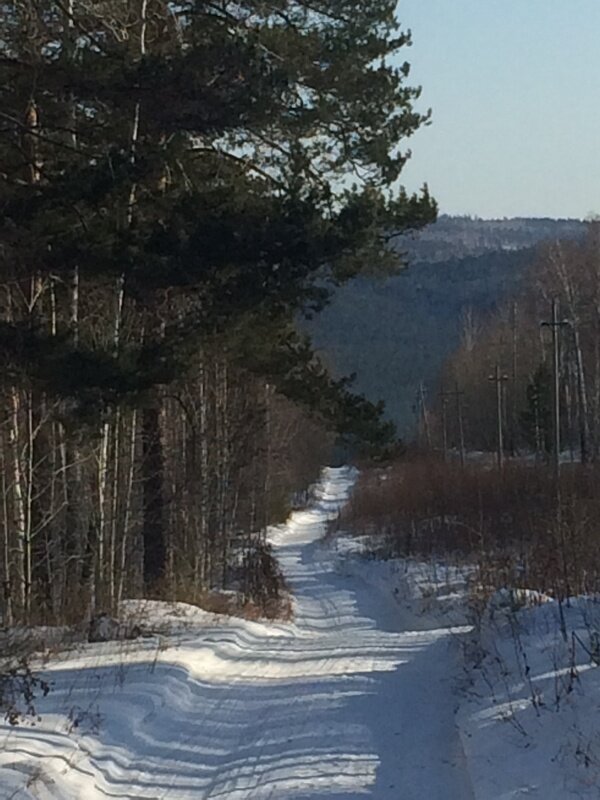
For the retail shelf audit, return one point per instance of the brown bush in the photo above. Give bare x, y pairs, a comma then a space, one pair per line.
506, 523
262, 593
235, 604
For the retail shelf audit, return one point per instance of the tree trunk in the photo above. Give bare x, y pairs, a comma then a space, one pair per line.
127, 514
7, 611
153, 529
581, 396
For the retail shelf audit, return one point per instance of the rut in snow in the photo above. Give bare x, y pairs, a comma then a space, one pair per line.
346, 701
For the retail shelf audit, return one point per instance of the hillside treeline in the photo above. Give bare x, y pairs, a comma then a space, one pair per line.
515, 344
455, 237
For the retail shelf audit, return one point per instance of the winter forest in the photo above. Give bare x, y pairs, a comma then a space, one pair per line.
173, 196
298, 474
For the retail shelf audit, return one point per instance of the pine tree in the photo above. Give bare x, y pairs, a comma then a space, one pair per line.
536, 419
167, 172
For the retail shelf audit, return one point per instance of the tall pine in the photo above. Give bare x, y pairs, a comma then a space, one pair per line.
170, 173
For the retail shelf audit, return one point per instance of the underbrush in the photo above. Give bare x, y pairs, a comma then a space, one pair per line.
531, 593
260, 591
236, 604
506, 525
20, 686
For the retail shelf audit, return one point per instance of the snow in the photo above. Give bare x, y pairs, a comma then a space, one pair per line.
355, 697
382, 686
530, 723
529, 701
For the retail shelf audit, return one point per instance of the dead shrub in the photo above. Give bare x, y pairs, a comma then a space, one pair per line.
506, 524
19, 688
261, 592
236, 604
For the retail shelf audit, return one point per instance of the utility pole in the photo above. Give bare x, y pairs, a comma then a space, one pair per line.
499, 379
444, 397
555, 326
457, 395
513, 394
425, 414
461, 430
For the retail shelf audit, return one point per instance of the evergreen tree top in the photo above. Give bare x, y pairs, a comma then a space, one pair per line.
221, 158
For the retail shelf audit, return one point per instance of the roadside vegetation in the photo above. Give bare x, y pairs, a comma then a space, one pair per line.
506, 525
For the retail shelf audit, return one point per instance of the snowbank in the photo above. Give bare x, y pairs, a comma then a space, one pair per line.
356, 696
529, 698
344, 701
530, 721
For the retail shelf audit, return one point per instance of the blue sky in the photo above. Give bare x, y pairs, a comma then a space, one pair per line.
514, 86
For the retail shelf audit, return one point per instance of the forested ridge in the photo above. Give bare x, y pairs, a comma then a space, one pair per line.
396, 334
173, 195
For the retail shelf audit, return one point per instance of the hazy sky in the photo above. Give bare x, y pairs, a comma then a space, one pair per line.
515, 90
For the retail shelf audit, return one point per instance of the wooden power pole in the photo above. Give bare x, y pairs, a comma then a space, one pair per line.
425, 414
555, 326
499, 379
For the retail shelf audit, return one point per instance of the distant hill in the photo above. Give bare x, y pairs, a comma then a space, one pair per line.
459, 237
396, 333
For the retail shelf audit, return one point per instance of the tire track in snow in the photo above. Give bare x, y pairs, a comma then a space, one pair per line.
342, 703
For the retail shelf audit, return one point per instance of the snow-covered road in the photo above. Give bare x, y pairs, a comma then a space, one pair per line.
354, 698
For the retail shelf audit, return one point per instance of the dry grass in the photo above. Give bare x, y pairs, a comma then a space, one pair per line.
507, 524
235, 604
262, 592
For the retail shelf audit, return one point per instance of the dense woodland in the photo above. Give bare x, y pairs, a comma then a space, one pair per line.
174, 195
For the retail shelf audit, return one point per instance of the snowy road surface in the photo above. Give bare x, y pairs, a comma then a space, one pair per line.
350, 700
